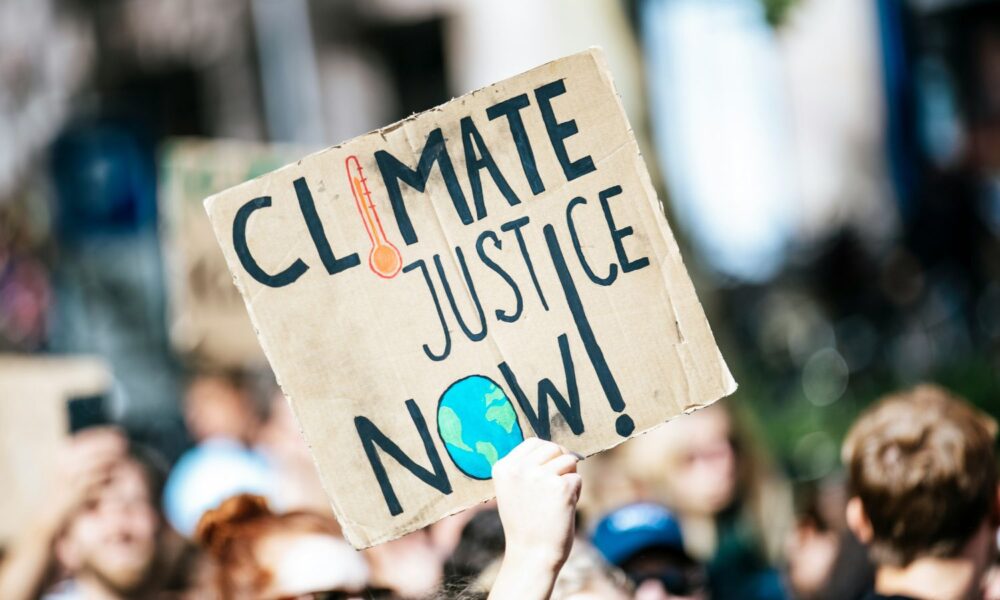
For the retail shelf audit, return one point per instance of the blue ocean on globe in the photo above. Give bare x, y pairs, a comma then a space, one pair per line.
477, 424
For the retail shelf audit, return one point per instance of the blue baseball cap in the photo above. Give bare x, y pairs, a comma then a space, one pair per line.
626, 531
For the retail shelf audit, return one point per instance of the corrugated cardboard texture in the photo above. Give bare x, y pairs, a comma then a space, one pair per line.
353, 344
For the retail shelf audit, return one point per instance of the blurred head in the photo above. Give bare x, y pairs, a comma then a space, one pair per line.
447, 533
280, 440
586, 576
707, 466
113, 538
220, 406
645, 541
260, 554
825, 564
409, 567
481, 544
280, 433
923, 477
698, 470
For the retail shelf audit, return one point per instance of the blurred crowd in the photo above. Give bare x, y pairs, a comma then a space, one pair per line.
692, 510
831, 169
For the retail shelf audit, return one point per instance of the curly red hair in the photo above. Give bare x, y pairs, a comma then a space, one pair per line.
229, 535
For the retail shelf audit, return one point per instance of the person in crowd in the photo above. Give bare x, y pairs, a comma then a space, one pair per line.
410, 566
588, 576
734, 508
258, 554
447, 534
279, 439
222, 406
924, 499
644, 539
242, 449
480, 545
825, 560
99, 535
224, 422
527, 548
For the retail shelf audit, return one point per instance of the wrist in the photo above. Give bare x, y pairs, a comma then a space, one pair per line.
526, 574
533, 557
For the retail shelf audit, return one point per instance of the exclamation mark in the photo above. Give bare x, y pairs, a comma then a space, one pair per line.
623, 424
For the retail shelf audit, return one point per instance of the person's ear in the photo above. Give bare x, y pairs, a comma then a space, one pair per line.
857, 521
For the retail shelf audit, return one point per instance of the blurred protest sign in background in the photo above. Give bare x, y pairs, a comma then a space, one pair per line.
41, 400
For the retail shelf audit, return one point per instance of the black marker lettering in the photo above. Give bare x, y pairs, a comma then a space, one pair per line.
333, 264
516, 226
371, 437
518, 301
624, 424
539, 418
473, 144
394, 171
617, 234
511, 109
475, 337
419, 264
612, 268
289, 275
558, 132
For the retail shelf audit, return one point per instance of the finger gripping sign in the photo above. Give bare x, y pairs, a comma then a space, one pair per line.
432, 293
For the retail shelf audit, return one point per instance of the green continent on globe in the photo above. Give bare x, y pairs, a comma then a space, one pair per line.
450, 427
503, 415
494, 395
488, 451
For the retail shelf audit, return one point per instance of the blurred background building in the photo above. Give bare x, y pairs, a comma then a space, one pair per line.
832, 168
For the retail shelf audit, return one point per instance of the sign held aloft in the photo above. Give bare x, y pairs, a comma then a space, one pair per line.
433, 292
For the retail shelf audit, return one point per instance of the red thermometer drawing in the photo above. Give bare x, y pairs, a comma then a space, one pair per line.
384, 259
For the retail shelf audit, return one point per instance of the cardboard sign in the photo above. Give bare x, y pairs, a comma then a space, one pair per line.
208, 323
34, 420
433, 292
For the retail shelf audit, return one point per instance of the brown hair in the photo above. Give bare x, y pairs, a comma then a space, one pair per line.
230, 532
922, 462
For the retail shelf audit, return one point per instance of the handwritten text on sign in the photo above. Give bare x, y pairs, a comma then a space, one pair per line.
431, 293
